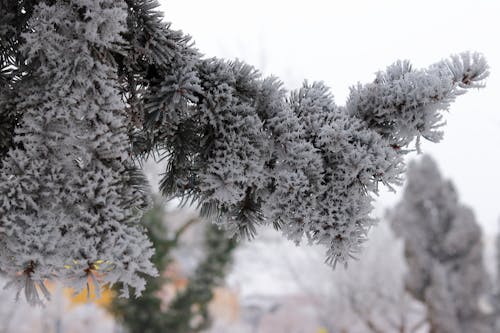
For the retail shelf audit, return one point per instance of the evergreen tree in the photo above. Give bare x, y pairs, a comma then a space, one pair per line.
188, 311
444, 252
142, 313
237, 144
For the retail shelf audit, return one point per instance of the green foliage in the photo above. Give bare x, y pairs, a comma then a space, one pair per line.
188, 311
143, 314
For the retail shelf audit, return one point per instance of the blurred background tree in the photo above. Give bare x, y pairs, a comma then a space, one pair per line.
187, 311
444, 253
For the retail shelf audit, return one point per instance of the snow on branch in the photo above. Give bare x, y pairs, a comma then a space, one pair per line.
251, 153
107, 81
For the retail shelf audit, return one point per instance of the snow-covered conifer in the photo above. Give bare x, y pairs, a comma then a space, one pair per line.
317, 177
71, 197
216, 121
443, 249
250, 153
237, 144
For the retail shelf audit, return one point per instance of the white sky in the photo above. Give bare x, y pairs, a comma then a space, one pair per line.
343, 42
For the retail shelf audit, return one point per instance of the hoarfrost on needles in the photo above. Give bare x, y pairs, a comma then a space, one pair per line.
70, 205
105, 81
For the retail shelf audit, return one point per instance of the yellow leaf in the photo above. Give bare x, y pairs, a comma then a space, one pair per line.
83, 298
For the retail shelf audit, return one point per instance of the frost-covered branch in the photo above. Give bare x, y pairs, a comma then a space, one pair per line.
87, 86
248, 152
70, 198
403, 103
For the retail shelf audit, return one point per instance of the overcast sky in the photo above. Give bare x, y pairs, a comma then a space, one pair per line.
343, 42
